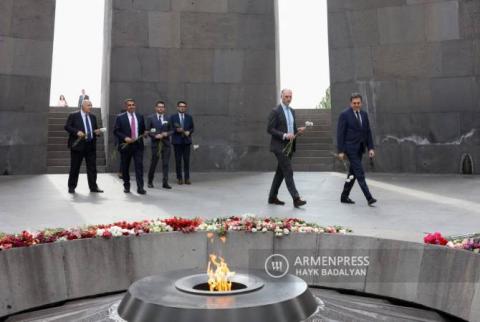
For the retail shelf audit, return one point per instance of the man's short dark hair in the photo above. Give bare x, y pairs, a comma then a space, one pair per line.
159, 102
356, 95
181, 102
128, 100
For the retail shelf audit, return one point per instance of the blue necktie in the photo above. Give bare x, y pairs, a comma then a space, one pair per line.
289, 121
89, 128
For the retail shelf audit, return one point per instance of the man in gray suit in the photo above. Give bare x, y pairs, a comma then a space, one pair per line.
282, 128
81, 98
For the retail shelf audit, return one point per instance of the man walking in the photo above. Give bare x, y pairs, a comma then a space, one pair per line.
160, 142
354, 136
83, 129
82, 97
283, 129
182, 140
130, 129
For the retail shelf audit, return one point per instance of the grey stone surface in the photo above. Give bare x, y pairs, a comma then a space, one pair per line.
418, 73
26, 45
216, 54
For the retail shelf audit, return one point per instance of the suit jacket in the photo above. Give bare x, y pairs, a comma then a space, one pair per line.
352, 136
179, 138
122, 128
80, 100
277, 127
73, 125
153, 122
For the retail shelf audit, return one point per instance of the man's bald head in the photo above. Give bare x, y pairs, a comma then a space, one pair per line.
286, 95
86, 106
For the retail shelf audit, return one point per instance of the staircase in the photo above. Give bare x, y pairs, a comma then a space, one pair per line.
58, 154
314, 148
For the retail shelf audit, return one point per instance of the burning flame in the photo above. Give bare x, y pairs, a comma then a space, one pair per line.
220, 276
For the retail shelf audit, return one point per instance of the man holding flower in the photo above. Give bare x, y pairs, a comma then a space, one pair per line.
159, 130
283, 129
83, 131
130, 130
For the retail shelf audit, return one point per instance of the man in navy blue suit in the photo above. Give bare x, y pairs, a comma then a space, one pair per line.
160, 142
354, 137
182, 140
130, 129
83, 131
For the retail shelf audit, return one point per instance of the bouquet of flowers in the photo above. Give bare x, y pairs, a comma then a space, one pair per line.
288, 149
125, 144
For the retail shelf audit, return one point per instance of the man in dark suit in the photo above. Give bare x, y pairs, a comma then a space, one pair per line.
160, 142
130, 129
83, 130
354, 136
182, 140
283, 128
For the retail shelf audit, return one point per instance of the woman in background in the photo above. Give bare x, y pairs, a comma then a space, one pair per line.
62, 102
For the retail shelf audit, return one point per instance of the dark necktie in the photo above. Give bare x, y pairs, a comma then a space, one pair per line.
357, 113
181, 120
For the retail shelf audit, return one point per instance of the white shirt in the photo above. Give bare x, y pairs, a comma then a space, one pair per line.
160, 117
85, 124
130, 115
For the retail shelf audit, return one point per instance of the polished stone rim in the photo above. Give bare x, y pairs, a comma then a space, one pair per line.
188, 284
157, 299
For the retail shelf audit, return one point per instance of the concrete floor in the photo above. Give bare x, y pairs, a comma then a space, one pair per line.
408, 206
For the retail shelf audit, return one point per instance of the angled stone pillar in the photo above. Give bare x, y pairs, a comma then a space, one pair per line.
26, 45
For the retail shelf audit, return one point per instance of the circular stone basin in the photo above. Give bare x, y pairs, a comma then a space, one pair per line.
171, 297
197, 284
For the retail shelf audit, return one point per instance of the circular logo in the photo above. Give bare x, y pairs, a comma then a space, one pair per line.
277, 266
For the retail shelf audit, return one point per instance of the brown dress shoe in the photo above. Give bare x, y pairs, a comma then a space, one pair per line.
275, 201
297, 202
180, 181
188, 182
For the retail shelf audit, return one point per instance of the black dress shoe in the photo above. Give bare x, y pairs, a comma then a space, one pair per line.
297, 202
126, 190
150, 185
187, 181
275, 201
96, 190
347, 200
166, 186
141, 191
71, 190
372, 201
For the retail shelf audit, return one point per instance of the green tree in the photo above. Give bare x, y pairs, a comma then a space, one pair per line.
326, 102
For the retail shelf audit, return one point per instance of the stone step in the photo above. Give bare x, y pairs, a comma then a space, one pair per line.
314, 146
66, 162
70, 109
63, 147
321, 140
64, 116
313, 153
312, 111
66, 169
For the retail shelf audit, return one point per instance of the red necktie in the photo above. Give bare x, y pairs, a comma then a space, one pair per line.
133, 127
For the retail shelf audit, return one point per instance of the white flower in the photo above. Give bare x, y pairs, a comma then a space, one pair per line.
116, 231
103, 129
248, 216
254, 230
100, 232
351, 177
264, 230
195, 147
342, 231
286, 231
308, 123
278, 234
450, 244
347, 181
164, 122
153, 130
61, 239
